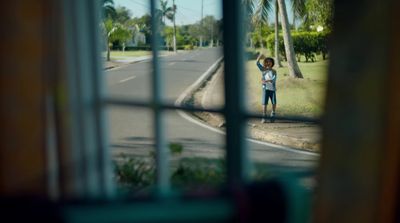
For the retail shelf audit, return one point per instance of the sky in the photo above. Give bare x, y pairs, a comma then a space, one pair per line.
188, 11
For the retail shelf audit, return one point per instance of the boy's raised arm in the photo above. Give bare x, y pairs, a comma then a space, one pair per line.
260, 56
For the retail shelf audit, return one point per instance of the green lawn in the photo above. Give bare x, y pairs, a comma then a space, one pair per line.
116, 54
119, 54
300, 97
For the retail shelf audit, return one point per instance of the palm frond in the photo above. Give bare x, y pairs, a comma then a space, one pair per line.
249, 7
299, 8
108, 9
266, 6
259, 10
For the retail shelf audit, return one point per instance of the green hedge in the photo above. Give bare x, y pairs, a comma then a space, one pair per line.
306, 44
147, 48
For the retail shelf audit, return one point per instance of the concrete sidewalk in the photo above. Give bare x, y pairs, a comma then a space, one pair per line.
305, 136
123, 61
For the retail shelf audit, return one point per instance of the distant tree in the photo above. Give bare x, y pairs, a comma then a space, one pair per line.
108, 9
115, 32
122, 15
169, 13
144, 24
319, 12
195, 30
209, 28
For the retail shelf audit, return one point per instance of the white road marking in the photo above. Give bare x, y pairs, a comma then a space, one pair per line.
126, 79
284, 148
170, 64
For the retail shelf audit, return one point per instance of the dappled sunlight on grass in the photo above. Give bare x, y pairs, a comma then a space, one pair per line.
299, 97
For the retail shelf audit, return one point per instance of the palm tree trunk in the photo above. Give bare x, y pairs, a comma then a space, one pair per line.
294, 20
173, 5
294, 69
108, 49
261, 40
277, 57
174, 38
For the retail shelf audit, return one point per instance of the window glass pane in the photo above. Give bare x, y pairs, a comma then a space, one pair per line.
132, 147
192, 40
127, 33
193, 69
196, 151
290, 96
269, 157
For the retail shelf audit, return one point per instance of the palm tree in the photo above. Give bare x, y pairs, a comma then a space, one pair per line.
108, 9
260, 13
115, 31
109, 12
259, 18
299, 10
264, 8
173, 19
294, 69
169, 13
277, 57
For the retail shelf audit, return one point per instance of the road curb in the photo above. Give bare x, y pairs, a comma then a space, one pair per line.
195, 86
298, 143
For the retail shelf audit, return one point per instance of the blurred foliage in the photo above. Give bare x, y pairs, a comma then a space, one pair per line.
307, 44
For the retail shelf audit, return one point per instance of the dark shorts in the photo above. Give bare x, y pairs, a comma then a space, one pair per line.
266, 95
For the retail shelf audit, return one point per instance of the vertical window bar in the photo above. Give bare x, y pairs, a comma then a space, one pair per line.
86, 101
86, 166
237, 158
162, 158
71, 165
104, 162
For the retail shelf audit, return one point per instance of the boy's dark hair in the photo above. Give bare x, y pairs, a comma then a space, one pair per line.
270, 59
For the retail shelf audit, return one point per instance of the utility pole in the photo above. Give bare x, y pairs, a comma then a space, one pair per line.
212, 35
201, 24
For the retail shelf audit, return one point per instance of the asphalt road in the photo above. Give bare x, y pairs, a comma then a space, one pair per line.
130, 129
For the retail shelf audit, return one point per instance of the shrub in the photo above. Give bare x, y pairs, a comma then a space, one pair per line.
306, 44
138, 173
143, 47
188, 47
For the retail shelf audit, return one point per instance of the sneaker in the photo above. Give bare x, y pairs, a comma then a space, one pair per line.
272, 117
263, 120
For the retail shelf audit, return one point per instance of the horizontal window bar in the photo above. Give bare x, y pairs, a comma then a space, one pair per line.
285, 118
215, 210
146, 104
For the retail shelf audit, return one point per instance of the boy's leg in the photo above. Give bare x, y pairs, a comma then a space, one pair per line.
273, 113
264, 104
273, 101
264, 113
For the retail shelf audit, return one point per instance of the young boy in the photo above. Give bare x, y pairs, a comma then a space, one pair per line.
268, 80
